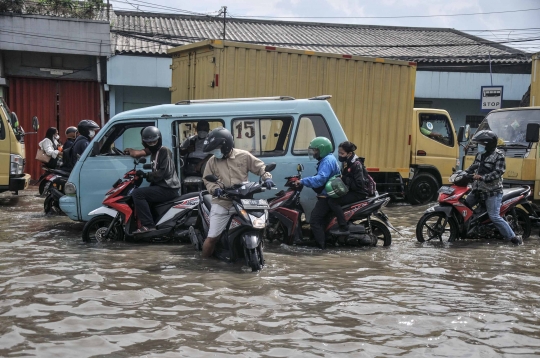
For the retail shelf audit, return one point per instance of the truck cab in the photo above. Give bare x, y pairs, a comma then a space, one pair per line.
522, 157
12, 152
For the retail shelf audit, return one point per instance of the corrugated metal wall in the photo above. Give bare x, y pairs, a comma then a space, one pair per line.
30, 97
372, 98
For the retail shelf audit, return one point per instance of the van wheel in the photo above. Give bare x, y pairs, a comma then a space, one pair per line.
95, 229
423, 189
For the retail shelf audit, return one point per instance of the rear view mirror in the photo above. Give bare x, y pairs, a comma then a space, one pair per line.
35, 123
95, 149
461, 134
147, 166
211, 178
467, 131
142, 160
299, 168
532, 132
270, 167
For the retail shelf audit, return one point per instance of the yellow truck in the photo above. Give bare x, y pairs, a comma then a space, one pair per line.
12, 152
518, 130
409, 152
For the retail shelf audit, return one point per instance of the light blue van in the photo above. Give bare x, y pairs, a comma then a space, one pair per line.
275, 129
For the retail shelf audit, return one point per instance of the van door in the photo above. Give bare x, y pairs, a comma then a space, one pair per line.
5, 151
99, 172
435, 143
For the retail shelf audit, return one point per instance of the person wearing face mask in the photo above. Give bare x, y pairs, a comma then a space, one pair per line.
352, 174
164, 182
488, 168
192, 150
320, 149
51, 147
231, 166
87, 130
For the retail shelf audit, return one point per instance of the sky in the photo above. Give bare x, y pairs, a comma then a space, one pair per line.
498, 27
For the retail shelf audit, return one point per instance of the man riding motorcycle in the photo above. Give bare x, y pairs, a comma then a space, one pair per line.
164, 182
488, 168
231, 166
321, 149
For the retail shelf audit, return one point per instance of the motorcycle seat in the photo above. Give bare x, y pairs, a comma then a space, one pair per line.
61, 172
356, 202
207, 199
175, 200
512, 193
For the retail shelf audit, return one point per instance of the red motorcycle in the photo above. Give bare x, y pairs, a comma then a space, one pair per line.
287, 219
452, 219
117, 219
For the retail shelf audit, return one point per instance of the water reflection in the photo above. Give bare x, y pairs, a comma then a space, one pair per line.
61, 297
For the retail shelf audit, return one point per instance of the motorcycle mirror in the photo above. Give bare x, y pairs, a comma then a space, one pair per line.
35, 123
270, 167
211, 178
142, 160
299, 168
532, 133
147, 166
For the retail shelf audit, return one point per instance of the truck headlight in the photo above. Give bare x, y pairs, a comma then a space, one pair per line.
70, 188
16, 164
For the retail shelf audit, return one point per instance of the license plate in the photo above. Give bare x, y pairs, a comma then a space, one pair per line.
446, 190
262, 203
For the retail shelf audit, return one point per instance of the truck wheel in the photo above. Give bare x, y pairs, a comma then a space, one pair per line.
423, 189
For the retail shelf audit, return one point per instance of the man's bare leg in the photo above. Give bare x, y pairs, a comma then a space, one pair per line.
208, 247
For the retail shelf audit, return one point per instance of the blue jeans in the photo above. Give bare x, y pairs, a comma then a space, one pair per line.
493, 205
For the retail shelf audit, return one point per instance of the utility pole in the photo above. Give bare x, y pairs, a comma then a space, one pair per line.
224, 10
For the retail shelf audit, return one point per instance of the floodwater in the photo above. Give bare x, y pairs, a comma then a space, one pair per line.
62, 298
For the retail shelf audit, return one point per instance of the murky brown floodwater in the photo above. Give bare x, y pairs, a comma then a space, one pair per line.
62, 298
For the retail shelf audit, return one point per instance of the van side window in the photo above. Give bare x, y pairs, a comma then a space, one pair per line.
122, 136
265, 137
188, 128
309, 127
436, 127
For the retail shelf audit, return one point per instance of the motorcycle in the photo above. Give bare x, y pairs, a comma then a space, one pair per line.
243, 236
287, 219
452, 219
45, 180
117, 220
53, 190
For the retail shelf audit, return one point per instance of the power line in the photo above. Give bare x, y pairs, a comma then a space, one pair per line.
387, 17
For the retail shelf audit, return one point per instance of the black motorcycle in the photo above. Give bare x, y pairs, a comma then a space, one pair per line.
243, 236
53, 190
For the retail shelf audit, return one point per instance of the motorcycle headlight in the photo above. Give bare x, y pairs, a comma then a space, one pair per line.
70, 189
259, 223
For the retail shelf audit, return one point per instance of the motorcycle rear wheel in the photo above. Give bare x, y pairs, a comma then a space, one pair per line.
96, 227
379, 230
436, 227
521, 224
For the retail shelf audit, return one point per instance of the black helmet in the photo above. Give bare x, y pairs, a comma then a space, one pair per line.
203, 126
487, 138
219, 138
70, 130
85, 126
150, 134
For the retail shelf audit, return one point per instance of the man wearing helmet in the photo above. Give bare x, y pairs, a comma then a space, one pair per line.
231, 166
71, 134
488, 168
164, 182
321, 149
87, 130
192, 148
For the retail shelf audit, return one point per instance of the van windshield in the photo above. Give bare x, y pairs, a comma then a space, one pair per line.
511, 126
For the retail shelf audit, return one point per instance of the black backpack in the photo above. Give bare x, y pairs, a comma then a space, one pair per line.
369, 184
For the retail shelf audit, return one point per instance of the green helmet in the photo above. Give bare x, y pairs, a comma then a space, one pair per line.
324, 146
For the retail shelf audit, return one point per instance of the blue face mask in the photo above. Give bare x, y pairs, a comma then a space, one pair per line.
481, 148
217, 153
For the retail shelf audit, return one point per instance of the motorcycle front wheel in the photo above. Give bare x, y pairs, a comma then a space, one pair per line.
51, 205
254, 258
436, 227
95, 229
380, 231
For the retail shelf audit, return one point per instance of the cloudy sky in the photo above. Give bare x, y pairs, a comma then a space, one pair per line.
502, 26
